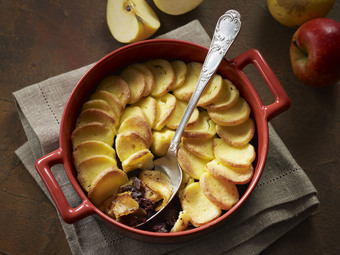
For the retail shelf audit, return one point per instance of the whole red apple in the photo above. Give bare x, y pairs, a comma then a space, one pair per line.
315, 52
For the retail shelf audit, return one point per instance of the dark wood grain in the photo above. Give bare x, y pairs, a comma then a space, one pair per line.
43, 38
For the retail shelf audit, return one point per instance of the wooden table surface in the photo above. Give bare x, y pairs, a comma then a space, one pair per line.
43, 38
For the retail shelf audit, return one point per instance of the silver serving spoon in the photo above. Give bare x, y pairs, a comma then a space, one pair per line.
226, 30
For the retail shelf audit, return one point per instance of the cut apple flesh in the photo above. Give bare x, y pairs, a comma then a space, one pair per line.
177, 7
131, 20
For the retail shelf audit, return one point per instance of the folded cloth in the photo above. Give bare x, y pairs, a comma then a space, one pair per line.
282, 199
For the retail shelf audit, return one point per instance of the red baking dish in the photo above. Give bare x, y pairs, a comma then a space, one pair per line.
172, 50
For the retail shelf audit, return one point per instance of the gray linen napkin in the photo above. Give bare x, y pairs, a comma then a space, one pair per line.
282, 199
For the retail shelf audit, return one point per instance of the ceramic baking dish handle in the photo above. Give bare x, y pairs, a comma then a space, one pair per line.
69, 214
282, 101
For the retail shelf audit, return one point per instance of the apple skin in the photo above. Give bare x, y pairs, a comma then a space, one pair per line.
294, 13
315, 52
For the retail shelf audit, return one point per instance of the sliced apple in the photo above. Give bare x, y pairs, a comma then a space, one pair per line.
131, 20
90, 148
149, 107
136, 81
93, 131
127, 143
139, 125
97, 104
96, 115
202, 148
180, 69
227, 98
181, 223
106, 184
161, 141
223, 194
238, 135
123, 205
111, 99
232, 116
234, 156
166, 106
132, 111
185, 91
204, 128
91, 167
117, 86
200, 209
176, 117
177, 7
235, 175
163, 74
149, 79
139, 160
190, 163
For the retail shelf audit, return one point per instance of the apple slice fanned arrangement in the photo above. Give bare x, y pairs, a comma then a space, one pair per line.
130, 120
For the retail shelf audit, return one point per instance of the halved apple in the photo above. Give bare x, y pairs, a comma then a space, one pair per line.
177, 7
131, 20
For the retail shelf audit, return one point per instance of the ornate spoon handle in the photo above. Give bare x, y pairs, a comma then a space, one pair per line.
226, 30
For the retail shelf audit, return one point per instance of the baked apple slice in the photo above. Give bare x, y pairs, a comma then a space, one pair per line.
106, 184
98, 104
180, 69
190, 163
238, 135
161, 141
148, 76
200, 209
228, 96
176, 117
91, 148
93, 131
90, 168
210, 93
149, 107
111, 99
223, 194
202, 148
232, 116
142, 159
136, 82
117, 86
96, 115
233, 156
163, 74
237, 175
158, 182
166, 106
127, 143
131, 111
204, 128
139, 125
181, 223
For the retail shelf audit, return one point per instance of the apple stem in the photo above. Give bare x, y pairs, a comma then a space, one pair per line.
302, 51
